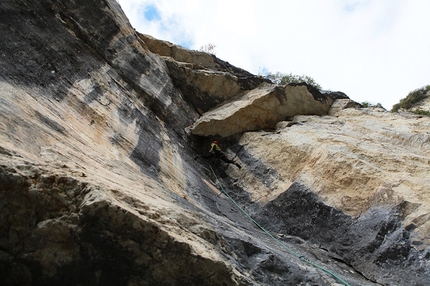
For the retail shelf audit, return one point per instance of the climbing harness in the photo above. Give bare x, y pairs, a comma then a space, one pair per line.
301, 257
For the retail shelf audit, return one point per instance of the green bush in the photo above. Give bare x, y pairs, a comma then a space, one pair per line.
367, 104
421, 112
412, 98
281, 78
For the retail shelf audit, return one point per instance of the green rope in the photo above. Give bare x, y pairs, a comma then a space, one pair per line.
277, 240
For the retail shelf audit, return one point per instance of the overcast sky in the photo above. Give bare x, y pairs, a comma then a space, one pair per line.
373, 50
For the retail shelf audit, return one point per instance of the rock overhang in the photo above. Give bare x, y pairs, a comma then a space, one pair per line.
260, 108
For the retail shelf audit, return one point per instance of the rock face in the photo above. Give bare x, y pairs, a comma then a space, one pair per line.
203, 79
98, 185
349, 180
341, 104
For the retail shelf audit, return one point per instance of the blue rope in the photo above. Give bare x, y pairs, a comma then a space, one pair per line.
277, 240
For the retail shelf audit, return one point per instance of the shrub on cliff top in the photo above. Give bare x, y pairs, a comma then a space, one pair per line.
412, 98
208, 48
281, 78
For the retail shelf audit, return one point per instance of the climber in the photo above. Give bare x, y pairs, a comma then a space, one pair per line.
215, 152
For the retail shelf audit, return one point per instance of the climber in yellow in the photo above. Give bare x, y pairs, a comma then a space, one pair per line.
216, 152
215, 147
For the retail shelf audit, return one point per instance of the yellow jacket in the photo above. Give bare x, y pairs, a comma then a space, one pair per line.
214, 147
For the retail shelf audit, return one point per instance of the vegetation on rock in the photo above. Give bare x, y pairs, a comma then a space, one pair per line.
421, 112
367, 104
412, 98
281, 78
208, 48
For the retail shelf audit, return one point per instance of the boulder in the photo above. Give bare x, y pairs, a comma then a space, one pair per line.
260, 108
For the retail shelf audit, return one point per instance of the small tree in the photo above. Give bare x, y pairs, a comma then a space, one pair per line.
208, 48
281, 78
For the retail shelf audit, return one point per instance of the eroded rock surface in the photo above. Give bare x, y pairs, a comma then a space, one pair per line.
369, 202
98, 185
204, 80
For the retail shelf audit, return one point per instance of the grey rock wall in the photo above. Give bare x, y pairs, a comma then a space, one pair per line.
98, 185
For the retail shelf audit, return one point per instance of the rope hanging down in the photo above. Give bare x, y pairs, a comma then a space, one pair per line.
277, 240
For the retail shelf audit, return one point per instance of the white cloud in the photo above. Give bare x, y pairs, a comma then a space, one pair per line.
373, 50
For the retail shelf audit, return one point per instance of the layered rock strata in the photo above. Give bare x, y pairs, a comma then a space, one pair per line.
203, 79
98, 185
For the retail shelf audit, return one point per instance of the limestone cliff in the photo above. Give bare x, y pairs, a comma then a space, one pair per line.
99, 126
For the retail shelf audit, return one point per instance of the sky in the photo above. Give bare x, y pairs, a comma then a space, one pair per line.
375, 51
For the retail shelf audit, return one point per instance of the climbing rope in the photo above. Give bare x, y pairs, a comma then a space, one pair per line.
273, 237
